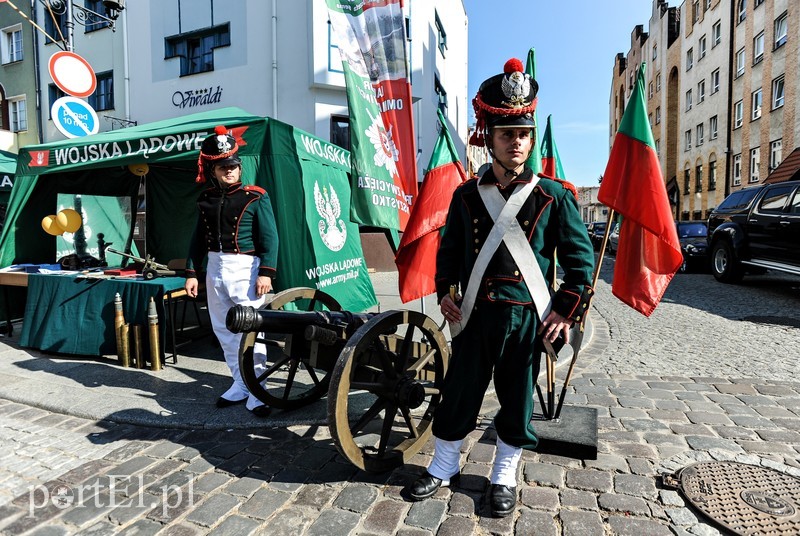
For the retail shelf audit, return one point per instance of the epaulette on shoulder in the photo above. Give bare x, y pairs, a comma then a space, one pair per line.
254, 188
565, 184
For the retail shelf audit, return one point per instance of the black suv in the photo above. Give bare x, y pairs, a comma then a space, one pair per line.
755, 229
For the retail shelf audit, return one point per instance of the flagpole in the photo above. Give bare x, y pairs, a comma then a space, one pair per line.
579, 336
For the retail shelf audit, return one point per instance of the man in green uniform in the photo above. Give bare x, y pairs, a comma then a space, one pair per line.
236, 231
498, 247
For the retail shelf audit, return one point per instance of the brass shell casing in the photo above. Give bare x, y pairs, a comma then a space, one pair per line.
154, 336
138, 350
123, 345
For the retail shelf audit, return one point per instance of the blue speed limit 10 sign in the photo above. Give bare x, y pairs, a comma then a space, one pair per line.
74, 117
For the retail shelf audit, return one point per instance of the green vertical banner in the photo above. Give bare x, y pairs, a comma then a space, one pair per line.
370, 35
535, 159
320, 247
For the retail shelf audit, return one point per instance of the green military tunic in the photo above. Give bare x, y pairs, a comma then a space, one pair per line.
500, 335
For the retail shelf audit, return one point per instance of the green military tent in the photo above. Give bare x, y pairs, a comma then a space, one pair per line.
8, 167
306, 178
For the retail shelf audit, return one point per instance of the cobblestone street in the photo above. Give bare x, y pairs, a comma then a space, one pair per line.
710, 375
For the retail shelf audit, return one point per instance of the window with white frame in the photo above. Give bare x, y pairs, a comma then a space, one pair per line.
701, 91
758, 48
775, 154
742, 10
716, 34
755, 100
737, 169
699, 135
714, 81
688, 100
755, 162
696, 10
658, 114
650, 90
687, 140
658, 146
738, 111
740, 62
687, 179
11, 45
777, 92
713, 129
758, 3
655, 51
702, 48
19, 114
689, 59
658, 82
781, 30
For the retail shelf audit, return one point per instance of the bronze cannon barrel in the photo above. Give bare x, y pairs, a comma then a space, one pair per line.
247, 319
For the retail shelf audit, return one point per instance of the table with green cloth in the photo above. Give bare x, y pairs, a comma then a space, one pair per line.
75, 315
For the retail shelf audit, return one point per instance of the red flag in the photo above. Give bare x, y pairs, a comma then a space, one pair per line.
416, 256
649, 253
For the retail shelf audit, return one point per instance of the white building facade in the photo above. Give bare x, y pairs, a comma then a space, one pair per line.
278, 58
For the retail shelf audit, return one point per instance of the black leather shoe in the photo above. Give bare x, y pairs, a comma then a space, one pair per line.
503, 500
261, 411
225, 403
426, 485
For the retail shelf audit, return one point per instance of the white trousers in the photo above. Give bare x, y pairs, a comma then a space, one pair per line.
447, 457
231, 280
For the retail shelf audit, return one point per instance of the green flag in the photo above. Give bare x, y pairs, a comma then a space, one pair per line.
551, 163
535, 160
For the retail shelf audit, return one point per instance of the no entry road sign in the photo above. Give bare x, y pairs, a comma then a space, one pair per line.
72, 74
74, 118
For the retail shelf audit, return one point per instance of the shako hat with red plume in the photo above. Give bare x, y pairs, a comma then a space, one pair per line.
506, 100
219, 148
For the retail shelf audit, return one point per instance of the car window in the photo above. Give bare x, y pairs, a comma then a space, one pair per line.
688, 230
740, 199
775, 199
795, 207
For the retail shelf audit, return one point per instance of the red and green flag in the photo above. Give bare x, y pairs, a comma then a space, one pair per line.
416, 256
535, 159
371, 39
649, 253
551, 162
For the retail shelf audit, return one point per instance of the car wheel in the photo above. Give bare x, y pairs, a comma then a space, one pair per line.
724, 265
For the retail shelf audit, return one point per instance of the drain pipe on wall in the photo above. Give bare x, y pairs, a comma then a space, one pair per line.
37, 79
126, 68
275, 59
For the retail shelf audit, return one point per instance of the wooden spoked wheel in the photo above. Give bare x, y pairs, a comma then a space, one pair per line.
385, 388
286, 380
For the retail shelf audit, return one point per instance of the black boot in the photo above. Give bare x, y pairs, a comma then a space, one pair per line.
503, 500
426, 485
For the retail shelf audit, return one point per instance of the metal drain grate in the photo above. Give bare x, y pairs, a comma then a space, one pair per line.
745, 499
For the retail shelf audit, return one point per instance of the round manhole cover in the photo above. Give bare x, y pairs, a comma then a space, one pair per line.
746, 499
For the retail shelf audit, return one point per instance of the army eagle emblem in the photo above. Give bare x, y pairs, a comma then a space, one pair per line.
331, 226
516, 86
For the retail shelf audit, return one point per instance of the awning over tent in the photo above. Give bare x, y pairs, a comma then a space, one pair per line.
318, 245
8, 163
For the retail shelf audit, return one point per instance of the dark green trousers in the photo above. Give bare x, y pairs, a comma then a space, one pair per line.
498, 338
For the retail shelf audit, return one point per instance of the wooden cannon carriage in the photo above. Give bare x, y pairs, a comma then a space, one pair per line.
381, 371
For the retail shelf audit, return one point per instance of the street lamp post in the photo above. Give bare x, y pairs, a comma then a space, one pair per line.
76, 13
